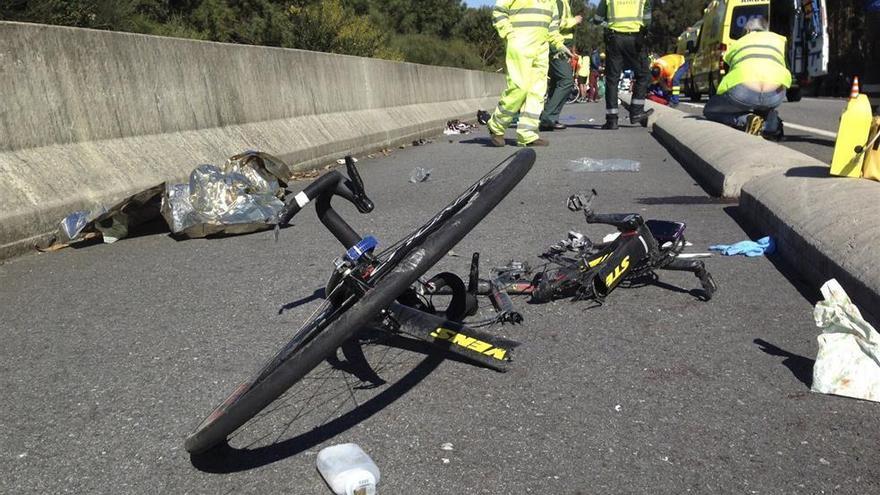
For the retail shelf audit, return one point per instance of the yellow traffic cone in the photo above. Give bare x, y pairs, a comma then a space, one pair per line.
852, 135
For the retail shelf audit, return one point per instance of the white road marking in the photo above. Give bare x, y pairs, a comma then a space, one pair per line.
791, 125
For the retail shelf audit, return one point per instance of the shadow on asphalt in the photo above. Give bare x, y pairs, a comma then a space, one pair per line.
801, 367
318, 294
807, 139
686, 200
227, 459
789, 272
810, 172
486, 141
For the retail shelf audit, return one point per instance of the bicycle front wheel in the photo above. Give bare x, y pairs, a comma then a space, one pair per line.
399, 267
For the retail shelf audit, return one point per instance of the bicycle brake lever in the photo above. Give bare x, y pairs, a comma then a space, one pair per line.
356, 185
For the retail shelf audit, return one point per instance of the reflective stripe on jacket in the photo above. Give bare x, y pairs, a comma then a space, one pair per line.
624, 16
528, 23
757, 57
566, 20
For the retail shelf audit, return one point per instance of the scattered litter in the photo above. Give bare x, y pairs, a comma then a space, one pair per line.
22, 456
243, 196
341, 161
421, 142
446, 446
607, 165
458, 127
453, 254
762, 246
114, 223
420, 175
445, 460
483, 117
848, 362
591, 120
617, 408
348, 469
824, 461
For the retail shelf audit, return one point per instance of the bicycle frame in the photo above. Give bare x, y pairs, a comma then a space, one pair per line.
453, 336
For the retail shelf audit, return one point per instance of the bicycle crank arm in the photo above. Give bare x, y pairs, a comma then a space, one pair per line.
484, 348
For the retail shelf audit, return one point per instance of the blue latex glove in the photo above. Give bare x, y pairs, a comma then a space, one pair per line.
762, 246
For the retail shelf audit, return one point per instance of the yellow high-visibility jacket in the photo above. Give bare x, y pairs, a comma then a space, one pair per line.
756, 57
528, 24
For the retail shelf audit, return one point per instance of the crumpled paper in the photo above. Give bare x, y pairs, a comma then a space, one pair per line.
848, 362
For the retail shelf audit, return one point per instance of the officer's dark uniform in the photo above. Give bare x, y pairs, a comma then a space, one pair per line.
625, 48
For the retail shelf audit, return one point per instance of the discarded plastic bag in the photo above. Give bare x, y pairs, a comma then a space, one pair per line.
607, 165
848, 362
420, 174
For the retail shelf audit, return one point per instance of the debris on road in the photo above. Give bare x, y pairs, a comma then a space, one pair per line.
483, 117
244, 196
348, 470
607, 165
341, 161
446, 446
848, 362
458, 127
113, 223
752, 249
420, 175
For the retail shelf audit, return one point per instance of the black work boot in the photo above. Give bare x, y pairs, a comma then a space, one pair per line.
638, 115
610, 123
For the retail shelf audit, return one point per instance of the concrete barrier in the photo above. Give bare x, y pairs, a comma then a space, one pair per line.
722, 158
825, 227
89, 117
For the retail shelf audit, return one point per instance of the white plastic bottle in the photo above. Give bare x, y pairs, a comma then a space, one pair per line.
348, 470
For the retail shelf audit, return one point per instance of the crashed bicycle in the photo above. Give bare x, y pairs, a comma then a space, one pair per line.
381, 290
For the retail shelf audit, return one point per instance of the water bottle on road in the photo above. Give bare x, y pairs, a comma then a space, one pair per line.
348, 470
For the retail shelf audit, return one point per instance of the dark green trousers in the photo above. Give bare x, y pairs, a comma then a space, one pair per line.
560, 84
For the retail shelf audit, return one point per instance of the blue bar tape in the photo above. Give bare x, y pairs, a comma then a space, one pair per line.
365, 245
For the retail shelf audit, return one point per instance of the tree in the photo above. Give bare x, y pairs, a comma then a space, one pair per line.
476, 29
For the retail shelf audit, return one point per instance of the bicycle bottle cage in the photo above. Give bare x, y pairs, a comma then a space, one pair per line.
363, 246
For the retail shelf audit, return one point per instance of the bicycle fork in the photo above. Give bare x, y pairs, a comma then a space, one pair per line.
698, 268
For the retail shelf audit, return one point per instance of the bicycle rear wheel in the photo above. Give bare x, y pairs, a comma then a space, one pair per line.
335, 323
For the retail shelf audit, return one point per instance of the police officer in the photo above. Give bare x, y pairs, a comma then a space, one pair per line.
528, 27
561, 75
625, 23
755, 85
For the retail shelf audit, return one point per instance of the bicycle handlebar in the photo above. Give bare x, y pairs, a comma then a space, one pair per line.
322, 191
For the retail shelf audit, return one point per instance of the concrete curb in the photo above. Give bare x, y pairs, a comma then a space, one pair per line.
91, 117
723, 159
822, 225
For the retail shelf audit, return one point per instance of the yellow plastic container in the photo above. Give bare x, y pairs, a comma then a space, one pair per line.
871, 169
855, 125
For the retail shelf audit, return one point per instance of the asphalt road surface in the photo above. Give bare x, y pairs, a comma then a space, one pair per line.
810, 124
112, 353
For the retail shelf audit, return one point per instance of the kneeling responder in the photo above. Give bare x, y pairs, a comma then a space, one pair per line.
529, 27
755, 85
625, 22
666, 73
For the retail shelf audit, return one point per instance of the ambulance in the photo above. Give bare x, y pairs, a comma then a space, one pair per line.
803, 22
